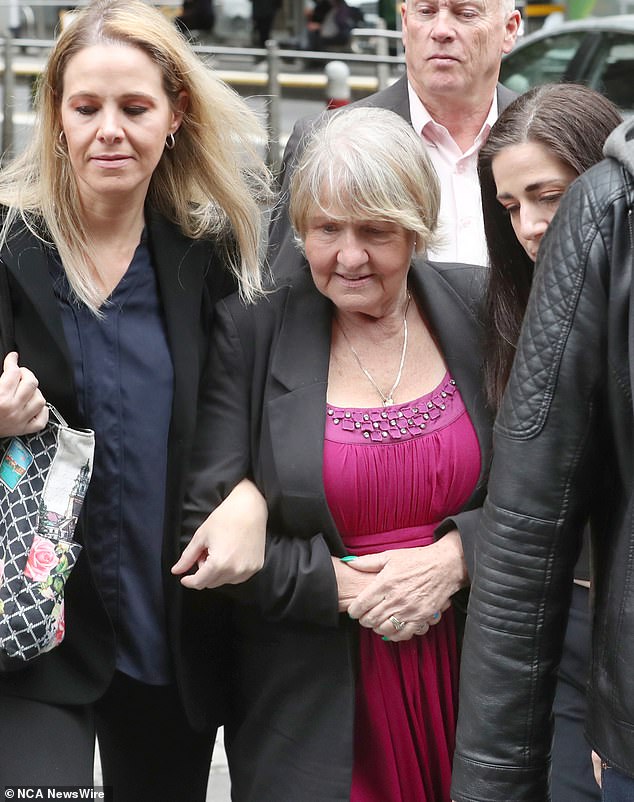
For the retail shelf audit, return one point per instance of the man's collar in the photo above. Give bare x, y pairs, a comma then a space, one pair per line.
423, 121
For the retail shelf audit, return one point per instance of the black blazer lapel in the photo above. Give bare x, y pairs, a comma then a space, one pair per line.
455, 323
180, 266
39, 332
297, 413
27, 261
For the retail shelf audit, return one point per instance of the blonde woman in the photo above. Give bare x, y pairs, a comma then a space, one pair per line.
132, 211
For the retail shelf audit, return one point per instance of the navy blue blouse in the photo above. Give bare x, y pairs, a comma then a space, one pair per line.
125, 384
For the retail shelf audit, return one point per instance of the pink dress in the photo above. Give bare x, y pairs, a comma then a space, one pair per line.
391, 475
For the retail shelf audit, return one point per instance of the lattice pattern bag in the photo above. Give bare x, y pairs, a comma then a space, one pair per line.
43, 481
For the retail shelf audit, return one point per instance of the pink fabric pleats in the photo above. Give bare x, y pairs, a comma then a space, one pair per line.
388, 492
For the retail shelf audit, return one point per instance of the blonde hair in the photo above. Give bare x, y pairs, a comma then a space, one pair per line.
367, 164
211, 184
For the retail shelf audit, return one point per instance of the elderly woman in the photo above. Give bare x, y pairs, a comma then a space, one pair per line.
130, 214
352, 395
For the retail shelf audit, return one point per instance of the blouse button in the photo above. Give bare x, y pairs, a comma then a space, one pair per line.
357, 425
335, 420
366, 435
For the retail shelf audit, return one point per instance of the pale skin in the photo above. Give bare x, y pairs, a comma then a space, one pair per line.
530, 182
23, 408
362, 267
453, 51
228, 548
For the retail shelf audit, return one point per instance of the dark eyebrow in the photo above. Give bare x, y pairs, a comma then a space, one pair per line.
531, 187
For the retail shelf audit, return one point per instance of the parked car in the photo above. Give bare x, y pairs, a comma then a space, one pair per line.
596, 51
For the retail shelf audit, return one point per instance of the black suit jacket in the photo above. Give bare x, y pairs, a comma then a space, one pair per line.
283, 254
191, 279
290, 735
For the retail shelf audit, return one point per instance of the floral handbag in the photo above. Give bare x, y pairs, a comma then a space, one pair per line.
43, 482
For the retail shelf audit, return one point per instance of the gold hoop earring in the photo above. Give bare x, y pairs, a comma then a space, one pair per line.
170, 142
61, 137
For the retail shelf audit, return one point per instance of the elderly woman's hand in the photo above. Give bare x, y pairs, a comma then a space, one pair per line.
228, 548
23, 408
410, 588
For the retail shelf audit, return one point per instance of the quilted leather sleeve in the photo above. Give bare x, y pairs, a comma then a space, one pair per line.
545, 444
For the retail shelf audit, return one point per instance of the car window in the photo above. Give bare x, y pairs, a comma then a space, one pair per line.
544, 61
613, 70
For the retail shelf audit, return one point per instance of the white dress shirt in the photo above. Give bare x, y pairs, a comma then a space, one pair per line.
460, 224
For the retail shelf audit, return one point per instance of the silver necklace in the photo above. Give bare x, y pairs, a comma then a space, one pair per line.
388, 400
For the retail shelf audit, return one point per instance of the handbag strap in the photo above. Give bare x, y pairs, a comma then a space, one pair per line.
7, 333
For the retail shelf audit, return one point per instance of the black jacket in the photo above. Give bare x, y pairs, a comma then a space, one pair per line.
191, 278
563, 453
294, 676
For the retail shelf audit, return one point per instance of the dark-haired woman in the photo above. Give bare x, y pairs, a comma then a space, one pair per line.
538, 146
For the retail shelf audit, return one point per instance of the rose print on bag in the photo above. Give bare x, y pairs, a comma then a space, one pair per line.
41, 560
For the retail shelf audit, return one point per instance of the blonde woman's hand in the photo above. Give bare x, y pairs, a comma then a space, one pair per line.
23, 408
349, 583
228, 548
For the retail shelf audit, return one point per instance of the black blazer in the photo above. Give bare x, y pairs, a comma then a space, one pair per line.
290, 734
191, 279
282, 254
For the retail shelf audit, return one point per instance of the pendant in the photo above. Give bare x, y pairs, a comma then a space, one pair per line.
388, 402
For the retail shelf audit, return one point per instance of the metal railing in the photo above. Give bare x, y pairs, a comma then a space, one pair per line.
271, 82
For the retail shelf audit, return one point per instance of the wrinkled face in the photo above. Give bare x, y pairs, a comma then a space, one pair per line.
454, 47
361, 265
530, 182
115, 116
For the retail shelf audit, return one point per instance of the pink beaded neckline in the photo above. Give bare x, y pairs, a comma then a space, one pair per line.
397, 422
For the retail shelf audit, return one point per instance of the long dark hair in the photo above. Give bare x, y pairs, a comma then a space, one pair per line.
570, 121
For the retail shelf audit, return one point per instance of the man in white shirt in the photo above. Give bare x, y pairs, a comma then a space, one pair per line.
450, 94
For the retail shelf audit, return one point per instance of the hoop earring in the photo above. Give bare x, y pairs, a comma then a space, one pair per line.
61, 137
170, 142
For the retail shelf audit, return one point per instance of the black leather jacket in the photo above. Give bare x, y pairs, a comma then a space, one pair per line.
563, 452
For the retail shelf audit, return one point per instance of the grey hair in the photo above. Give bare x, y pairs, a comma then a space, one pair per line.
366, 163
